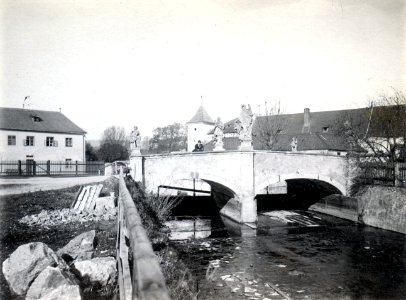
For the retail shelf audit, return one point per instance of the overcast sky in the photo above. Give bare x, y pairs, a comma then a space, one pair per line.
148, 63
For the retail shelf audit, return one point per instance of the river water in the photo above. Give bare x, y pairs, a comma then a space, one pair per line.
297, 255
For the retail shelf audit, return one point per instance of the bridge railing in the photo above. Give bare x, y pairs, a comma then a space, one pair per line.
146, 280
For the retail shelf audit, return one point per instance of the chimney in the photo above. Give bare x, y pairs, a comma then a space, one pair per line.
306, 121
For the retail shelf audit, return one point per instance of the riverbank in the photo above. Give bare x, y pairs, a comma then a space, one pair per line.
379, 206
14, 233
154, 211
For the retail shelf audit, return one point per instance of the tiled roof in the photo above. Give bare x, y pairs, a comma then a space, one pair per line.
324, 128
37, 120
201, 116
307, 142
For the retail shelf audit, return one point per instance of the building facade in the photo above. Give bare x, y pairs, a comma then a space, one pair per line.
198, 128
27, 134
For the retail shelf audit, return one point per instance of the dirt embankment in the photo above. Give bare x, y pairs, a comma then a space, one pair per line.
154, 212
14, 233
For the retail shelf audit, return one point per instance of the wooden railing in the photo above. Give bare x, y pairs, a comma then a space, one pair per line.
142, 277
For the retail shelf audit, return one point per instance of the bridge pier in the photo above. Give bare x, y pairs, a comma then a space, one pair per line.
241, 209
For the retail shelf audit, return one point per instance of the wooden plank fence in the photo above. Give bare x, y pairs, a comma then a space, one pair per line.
384, 173
50, 168
146, 280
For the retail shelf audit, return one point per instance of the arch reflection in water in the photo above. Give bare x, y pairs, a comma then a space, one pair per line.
183, 228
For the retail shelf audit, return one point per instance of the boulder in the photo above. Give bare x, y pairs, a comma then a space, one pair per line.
79, 248
63, 292
49, 280
97, 271
25, 263
104, 203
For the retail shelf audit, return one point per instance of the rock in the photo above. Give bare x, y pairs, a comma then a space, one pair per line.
63, 292
104, 203
51, 279
97, 271
81, 247
25, 263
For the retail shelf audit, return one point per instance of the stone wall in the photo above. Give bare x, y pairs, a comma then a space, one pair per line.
338, 206
383, 207
379, 206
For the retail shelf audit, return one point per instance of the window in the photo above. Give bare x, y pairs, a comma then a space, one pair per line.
35, 118
29, 141
68, 142
68, 163
11, 140
50, 142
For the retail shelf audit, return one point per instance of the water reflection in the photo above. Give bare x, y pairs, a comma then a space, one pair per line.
189, 228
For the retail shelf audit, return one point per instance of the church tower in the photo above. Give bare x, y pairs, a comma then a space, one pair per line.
198, 128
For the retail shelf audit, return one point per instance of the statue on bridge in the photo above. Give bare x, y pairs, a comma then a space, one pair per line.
218, 135
243, 126
135, 141
293, 144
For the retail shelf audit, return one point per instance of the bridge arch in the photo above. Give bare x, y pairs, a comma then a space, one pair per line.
209, 178
276, 179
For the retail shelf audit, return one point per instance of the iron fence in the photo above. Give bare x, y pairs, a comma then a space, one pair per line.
51, 168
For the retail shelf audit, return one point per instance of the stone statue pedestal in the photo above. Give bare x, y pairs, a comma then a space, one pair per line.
135, 152
219, 148
246, 146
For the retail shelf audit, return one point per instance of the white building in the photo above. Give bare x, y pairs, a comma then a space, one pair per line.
27, 134
198, 128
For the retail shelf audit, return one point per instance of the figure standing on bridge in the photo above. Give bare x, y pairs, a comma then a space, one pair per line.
199, 147
218, 135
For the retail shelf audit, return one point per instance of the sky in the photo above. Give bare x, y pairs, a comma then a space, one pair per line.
152, 63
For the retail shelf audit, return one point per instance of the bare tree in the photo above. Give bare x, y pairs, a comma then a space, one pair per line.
267, 128
114, 144
168, 138
380, 129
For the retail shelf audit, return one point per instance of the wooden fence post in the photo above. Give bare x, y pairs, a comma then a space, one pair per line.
397, 173
48, 167
76, 168
34, 167
20, 171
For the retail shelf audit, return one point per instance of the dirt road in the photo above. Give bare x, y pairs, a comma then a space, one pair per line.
12, 186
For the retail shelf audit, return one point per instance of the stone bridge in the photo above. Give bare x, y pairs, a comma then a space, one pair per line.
237, 177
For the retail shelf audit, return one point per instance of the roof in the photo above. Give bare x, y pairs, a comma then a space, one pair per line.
201, 116
37, 120
325, 128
